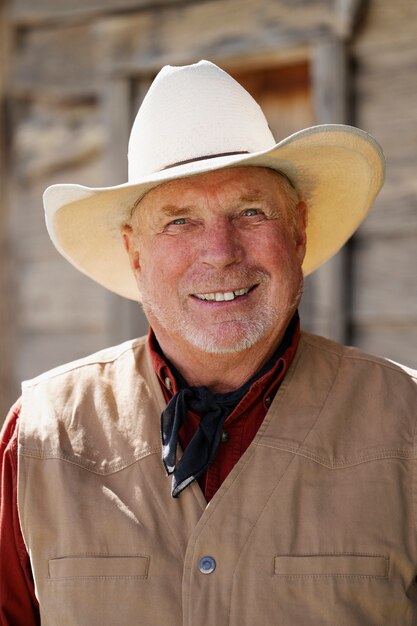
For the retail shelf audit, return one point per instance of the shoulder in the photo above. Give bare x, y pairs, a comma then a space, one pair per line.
370, 403
87, 411
357, 360
102, 384
360, 383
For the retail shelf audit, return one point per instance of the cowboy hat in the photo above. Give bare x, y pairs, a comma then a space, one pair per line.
197, 119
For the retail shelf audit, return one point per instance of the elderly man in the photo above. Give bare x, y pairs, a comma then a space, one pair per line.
226, 470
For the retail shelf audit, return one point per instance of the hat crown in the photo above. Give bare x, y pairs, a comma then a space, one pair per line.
192, 112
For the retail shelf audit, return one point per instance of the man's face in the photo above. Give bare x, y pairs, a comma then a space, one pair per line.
217, 258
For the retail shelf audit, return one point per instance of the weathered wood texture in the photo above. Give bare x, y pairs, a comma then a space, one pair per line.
78, 76
58, 311
327, 293
219, 31
179, 32
7, 347
30, 13
385, 279
57, 61
120, 98
340, 14
384, 311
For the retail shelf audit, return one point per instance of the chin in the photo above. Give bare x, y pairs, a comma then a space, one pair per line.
228, 339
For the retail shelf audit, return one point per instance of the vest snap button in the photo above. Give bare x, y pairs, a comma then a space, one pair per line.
167, 382
207, 565
225, 436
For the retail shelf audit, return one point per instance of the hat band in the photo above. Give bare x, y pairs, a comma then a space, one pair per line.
203, 158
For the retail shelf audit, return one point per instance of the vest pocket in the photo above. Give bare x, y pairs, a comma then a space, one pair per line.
98, 566
340, 565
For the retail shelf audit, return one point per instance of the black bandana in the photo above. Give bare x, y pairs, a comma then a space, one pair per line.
213, 409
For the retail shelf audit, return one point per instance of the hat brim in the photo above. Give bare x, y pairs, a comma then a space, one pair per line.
337, 169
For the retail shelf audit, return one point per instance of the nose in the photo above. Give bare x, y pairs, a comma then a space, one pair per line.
221, 245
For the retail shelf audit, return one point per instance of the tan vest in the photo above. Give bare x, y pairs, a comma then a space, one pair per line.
315, 525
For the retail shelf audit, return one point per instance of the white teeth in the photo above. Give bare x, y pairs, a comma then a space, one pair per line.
220, 296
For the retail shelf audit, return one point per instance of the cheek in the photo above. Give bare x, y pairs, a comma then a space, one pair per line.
163, 265
277, 252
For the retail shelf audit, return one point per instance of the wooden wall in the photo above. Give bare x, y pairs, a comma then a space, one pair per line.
6, 346
78, 72
384, 89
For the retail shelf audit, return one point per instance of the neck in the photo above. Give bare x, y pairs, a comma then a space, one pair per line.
220, 373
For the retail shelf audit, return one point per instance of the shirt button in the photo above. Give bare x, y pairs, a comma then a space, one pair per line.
207, 565
225, 436
167, 382
268, 400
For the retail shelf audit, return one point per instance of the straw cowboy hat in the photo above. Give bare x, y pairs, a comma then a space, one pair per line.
197, 119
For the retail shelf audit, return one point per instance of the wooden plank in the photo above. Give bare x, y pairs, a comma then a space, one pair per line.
394, 213
329, 79
48, 60
327, 290
116, 119
328, 284
342, 12
396, 342
385, 306
57, 61
231, 29
7, 329
392, 119
124, 318
386, 24
26, 12
73, 304
54, 138
26, 222
384, 280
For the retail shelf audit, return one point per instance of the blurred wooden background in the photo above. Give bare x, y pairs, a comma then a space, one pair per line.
72, 76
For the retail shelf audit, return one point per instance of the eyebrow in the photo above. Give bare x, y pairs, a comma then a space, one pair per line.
253, 195
174, 210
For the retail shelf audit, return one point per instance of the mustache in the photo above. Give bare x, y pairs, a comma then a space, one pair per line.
205, 282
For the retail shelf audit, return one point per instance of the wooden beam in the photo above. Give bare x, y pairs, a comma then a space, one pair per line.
125, 319
341, 13
154, 35
60, 63
28, 13
328, 292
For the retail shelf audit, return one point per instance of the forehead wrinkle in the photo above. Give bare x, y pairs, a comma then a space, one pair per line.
248, 194
174, 210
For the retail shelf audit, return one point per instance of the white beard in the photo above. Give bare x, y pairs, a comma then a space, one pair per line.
226, 336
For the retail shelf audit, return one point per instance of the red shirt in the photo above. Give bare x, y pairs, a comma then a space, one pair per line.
18, 604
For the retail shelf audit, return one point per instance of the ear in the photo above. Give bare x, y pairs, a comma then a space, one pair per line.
130, 247
300, 235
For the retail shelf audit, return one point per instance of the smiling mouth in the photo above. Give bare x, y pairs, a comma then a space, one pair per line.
221, 296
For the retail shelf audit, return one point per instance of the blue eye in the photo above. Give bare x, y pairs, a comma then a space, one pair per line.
179, 222
250, 212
